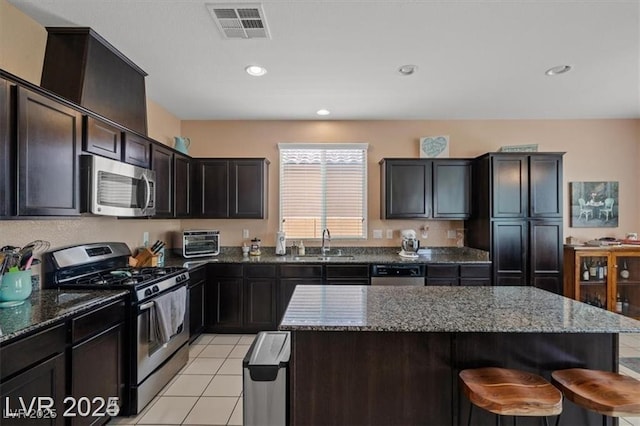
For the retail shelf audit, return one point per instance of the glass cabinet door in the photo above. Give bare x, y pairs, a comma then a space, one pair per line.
593, 277
627, 298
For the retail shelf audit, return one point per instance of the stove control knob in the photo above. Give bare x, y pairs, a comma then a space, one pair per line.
147, 292
181, 278
155, 289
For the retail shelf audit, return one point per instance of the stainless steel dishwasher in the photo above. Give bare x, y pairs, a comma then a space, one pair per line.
398, 274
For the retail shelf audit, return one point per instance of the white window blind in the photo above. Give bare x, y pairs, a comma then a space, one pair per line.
323, 186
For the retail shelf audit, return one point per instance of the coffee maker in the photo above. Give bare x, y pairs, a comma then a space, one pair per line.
410, 243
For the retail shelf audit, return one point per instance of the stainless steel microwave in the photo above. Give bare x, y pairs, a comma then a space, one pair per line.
112, 188
197, 243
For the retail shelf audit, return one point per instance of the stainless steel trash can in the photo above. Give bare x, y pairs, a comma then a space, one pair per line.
265, 380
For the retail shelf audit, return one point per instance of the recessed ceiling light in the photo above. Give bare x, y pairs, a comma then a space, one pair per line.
323, 112
255, 70
407, 69
560, 69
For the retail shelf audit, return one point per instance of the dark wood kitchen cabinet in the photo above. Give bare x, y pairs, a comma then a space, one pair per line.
162, 164
517, 216
49, 141
347, 274
101, 138
6, 151
197, 280
136, 150
259, 298
453, 274
98, 352
292, 276
240, 299
425, 189
224, 298
34, 367
231, 188
182, 185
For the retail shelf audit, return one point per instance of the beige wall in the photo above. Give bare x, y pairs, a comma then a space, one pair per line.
595, 150
22, 43
162, 125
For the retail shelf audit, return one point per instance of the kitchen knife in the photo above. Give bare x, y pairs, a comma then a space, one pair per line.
157, 249
155, 246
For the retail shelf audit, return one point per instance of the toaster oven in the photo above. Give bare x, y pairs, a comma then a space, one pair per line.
197, 243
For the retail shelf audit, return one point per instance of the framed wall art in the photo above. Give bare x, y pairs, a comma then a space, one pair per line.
594, 204
434, 147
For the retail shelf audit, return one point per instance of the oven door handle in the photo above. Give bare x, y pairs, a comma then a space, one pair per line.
146, 306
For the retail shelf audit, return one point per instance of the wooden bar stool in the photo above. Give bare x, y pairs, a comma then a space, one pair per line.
506, 392
606, 393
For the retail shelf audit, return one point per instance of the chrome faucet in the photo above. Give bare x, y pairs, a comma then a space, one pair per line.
326, 238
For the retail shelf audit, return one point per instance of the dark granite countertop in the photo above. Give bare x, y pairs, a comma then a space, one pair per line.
447, 310
47, 307
342, 255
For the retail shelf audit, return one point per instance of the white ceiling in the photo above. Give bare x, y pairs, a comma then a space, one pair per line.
482, 59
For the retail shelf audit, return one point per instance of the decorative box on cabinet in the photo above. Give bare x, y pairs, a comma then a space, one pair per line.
612, 277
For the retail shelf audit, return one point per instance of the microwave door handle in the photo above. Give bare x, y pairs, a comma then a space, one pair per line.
148, 192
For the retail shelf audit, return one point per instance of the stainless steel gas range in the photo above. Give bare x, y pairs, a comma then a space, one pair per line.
151, 363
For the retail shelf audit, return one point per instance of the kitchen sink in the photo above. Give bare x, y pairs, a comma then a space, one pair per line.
325, 258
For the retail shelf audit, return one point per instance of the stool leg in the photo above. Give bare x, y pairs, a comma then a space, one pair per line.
604, 420
546, 421
558, 419
470, 411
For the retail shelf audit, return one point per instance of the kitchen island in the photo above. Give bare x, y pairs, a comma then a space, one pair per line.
391, 355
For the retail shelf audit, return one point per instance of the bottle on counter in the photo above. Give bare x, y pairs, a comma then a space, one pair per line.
606, 269
301, 249
593, 269
600, 271
618, 304
624, 273
585, 271
625, 305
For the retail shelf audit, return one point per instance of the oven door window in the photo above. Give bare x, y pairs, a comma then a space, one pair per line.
201, 244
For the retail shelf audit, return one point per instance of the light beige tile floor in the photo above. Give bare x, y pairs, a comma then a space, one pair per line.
208, 391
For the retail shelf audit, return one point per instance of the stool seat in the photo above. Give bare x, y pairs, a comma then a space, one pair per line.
607, 393
511, 392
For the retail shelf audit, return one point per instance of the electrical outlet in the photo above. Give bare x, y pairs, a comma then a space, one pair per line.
377, 234
389, 234
245, 234
451, 234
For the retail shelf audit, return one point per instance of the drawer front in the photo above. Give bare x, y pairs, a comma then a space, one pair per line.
347, 271
197, 274
31, 350
348, 281
301, 271
226, 270
442, 271
442, 281
97, 321
475, 271
260, 271
475, 281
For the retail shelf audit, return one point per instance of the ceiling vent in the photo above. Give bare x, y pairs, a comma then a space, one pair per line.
243, 20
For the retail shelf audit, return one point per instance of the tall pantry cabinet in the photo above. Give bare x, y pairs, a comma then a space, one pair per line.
517, 216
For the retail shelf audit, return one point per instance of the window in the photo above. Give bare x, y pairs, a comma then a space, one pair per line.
323, 186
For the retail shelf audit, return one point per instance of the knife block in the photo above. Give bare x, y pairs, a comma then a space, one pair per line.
144, 258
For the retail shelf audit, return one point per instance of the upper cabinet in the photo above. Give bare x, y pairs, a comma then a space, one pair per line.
162, 164
425, 189
81, 66
6, 157
49, 143
136, 150
101, 138
231, 188
521, 185
182, 176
